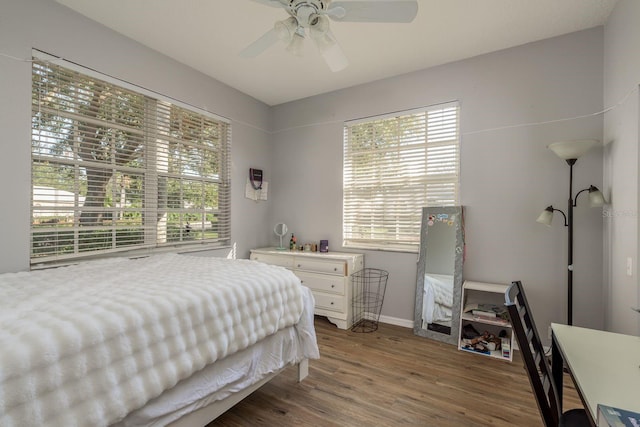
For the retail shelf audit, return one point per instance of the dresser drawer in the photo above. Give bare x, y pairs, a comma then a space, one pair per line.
284, 261
328, 275
338, 268
322, 282
329, 302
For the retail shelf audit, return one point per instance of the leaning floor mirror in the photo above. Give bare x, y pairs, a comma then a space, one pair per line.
439, 281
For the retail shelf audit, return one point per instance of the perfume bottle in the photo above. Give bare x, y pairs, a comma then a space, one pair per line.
292, 243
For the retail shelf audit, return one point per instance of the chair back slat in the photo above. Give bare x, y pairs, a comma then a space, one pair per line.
537, 357
532, 351
530, 335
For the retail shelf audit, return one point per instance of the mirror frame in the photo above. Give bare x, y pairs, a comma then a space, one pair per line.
454, 336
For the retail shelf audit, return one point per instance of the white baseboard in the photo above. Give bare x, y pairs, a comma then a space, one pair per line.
405, 323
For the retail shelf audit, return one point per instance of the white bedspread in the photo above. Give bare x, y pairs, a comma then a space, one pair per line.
233, 373
87, 344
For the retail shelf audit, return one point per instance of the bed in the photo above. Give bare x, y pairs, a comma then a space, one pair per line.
153, 341
437, 299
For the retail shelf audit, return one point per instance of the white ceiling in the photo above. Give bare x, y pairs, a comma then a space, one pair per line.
208, 34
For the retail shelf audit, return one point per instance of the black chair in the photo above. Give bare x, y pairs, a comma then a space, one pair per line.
537, 364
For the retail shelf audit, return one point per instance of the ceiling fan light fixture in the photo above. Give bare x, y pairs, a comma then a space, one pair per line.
320, 26
324, 41
296, 44
286, 28
330, 49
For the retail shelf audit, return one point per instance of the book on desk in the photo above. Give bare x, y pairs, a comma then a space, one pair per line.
609, 416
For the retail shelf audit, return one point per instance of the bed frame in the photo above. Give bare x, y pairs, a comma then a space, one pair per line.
203, 416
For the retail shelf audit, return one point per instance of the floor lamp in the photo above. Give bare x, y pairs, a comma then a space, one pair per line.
570, 151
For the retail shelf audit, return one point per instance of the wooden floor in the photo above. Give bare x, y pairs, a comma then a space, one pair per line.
393, 378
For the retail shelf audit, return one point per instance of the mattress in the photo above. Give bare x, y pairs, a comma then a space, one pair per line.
233, 373
88, 344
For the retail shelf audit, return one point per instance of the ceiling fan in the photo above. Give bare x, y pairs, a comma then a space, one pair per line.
311, 17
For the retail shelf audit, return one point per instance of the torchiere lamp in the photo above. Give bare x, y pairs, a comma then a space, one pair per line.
570, 151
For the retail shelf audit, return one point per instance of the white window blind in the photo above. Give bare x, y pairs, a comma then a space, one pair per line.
393, 166
116, 170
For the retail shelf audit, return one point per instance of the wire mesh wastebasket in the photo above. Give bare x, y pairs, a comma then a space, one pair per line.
369, 286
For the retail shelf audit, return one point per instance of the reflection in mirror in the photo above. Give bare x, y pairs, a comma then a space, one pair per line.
439, 281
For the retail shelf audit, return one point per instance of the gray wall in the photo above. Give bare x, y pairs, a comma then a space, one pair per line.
507, 175
621, 77
48, 26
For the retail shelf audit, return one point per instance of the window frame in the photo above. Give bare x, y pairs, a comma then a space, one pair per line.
365, 180
199, 149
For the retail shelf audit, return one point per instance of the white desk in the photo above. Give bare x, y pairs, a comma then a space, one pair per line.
605, 367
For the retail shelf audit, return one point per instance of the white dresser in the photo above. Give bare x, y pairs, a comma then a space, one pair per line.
327, 274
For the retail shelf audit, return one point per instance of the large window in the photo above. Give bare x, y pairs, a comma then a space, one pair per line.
115, 169
393, 166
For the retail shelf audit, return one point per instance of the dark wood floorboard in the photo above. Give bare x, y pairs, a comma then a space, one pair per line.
393, 378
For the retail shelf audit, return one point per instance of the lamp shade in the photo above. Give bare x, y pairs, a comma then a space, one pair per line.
546, 217
596, 198
572, 149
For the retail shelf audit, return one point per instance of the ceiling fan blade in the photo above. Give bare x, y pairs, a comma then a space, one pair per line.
330, 50
267, 40
335, 58
272, 3
401, 11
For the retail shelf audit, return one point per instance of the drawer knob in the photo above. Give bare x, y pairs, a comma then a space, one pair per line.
331, 302
333, 286
299, 265
335, 268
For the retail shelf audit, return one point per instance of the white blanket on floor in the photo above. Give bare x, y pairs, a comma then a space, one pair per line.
87, 344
